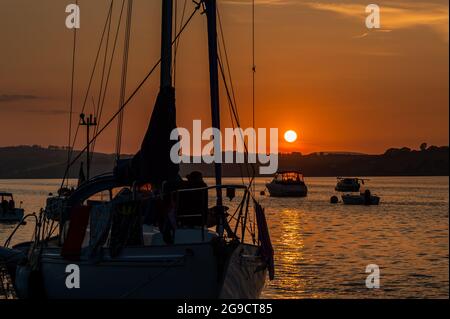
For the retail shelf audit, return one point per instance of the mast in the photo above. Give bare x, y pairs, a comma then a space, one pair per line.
211, 14
166, 44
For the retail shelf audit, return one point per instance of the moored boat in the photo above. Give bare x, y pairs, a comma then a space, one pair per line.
365, 198
287, 184
8, 210
348, 184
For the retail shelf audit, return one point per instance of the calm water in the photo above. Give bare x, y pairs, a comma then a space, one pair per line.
322, 250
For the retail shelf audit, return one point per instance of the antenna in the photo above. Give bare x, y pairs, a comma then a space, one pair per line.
88, 122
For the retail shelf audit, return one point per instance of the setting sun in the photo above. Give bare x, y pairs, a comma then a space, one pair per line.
290, 136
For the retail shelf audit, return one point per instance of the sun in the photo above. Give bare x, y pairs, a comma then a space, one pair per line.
290, 136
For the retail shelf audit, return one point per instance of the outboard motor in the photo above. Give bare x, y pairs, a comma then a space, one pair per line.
367, 197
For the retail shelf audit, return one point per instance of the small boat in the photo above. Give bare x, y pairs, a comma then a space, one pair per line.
288, 184
8, 211
365, 198
348, 184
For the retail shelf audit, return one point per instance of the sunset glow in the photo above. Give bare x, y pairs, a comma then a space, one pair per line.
290, 136
347, 87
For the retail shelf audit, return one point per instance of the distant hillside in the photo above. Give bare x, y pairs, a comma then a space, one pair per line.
38, 162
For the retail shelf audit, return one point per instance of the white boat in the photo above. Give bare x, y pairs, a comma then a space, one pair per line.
365, 198
287, 184
155, 235
199, 263
8, 210
348, 184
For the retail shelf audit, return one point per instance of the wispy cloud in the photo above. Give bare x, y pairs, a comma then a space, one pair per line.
400, 16
33, 110
6, 98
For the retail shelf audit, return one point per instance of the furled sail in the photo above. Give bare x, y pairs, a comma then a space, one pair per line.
152, 163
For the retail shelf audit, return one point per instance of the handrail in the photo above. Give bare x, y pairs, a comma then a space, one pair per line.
222, 186
8, 240
203, 214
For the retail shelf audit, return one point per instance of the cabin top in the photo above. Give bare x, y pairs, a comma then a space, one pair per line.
5, 194
350, 179
289, 175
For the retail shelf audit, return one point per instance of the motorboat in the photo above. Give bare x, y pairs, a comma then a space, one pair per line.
8, 211
348, 184
365, 198
287, 184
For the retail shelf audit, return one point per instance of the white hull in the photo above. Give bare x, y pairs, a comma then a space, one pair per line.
157, 272
12, 216
360, 200
286, 190
342, 187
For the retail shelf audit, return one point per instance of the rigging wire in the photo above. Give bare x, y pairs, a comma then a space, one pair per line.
132, 95
104, 60
124, 78
254, 65
253, 187
177, 43
231, 98
232, 109
232, 104
72, 146
99, 101
69, 153
101, 106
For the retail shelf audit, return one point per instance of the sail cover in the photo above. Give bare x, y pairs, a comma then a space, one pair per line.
152, 163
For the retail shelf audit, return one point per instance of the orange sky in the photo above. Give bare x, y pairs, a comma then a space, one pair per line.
320, 71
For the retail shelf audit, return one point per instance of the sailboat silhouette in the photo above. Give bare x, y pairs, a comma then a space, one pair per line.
157, 241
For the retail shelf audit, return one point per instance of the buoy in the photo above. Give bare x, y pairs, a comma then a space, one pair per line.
334, 200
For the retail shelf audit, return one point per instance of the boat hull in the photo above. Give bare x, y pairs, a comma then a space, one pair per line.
157, 272
360, 200
287, 190
15, 215
347, 188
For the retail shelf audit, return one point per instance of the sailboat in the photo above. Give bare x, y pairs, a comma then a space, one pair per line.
156, 235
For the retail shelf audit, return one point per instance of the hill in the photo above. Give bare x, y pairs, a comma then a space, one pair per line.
38, 162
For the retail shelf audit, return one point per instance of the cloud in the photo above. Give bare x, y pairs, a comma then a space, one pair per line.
400, 16
23, 108
7, 98
45, 112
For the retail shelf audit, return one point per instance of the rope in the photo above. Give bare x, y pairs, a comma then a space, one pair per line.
106, 125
